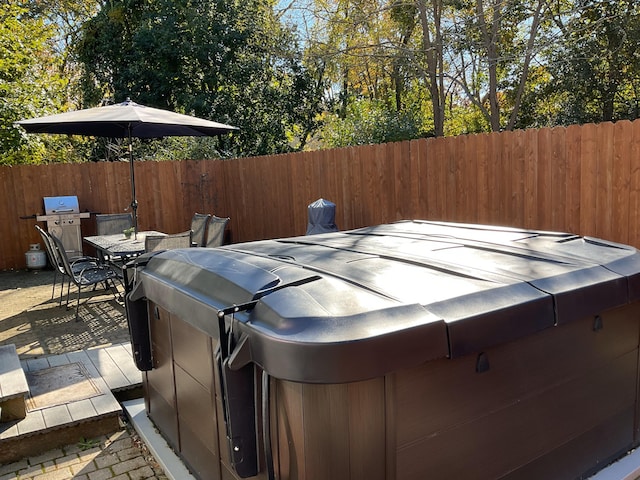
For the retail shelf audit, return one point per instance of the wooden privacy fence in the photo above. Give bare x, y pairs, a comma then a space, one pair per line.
580, 179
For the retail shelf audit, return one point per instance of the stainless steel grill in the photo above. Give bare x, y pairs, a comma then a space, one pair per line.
63, 217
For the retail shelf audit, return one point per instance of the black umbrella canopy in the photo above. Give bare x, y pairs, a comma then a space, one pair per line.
126, 120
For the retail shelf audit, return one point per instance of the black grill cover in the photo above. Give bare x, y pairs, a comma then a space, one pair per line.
322, 217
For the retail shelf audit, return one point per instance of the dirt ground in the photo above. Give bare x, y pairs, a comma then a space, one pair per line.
37, 325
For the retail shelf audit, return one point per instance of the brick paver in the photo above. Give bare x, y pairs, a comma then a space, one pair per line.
25, 303
119, 456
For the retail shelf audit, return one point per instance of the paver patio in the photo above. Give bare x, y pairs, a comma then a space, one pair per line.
31, 320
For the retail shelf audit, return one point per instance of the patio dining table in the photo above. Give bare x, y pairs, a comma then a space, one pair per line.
117, 245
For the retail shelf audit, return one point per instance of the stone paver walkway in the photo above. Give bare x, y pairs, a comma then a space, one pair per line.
120, 456
38, 326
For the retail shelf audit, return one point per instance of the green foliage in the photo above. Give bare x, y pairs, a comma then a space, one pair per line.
229, 61
27, 75
597, 66
371, 70
465, 119
34, 81
87, 444
369, 122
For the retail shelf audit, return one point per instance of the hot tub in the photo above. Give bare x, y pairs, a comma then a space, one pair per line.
412, 350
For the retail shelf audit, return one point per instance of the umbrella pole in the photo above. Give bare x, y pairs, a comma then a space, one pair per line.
134, 202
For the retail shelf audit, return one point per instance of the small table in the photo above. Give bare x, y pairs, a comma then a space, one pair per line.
118, 246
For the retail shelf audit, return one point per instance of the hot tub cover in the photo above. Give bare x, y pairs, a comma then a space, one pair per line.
352, 305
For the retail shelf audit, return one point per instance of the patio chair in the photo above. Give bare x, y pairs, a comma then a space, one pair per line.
199, 228
215, 231
154, 243
77, 263
86, 275
112, 223
52, 260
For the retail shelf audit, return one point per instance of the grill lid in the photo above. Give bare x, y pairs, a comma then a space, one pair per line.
61, 205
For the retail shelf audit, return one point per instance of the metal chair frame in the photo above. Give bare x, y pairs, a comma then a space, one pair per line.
86, 275
76, 263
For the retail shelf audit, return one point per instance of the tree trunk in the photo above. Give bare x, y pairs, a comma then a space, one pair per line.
490, 41
433, 56
533, 31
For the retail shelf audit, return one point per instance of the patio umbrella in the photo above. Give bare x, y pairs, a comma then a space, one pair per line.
125, 120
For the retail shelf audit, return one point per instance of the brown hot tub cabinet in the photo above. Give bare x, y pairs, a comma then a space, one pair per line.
415, 350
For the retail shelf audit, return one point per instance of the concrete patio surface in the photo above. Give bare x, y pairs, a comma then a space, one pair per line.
31, 320
38, 327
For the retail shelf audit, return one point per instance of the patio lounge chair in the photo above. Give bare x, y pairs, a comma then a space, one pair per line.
89, 275
215, 231
199, 228
154, 243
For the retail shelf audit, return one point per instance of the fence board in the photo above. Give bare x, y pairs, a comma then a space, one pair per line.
481, 148
604, 180
415, 192
573, 141
621, 171
233, 194
633, 213
588, 180
543, 181
530, 180
496, 176
400, 203
20, 195
344, 212
298, 196
355, 188
294, 221
464, 173
582, 179
509, 185
373, 191
431, 181
557, 166
518, 175
385, 191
